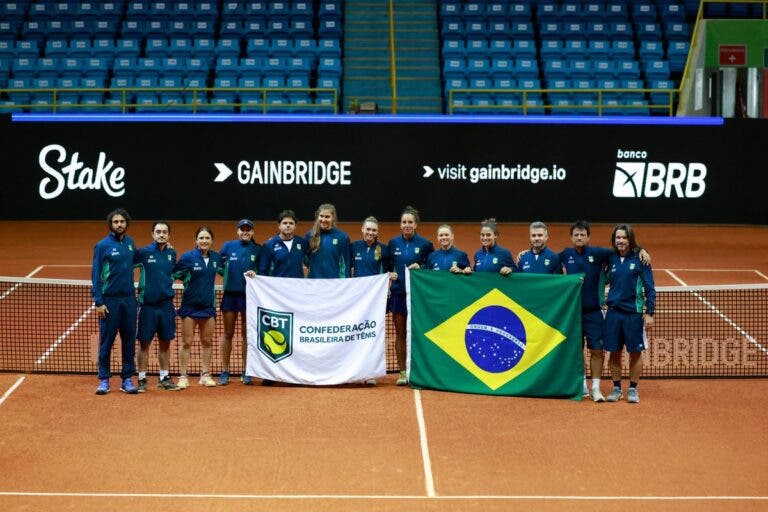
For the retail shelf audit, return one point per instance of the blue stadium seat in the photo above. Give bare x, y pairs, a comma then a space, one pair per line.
56, 48
627, 69
454, 49
677, 31
651, 50
656, 70
677, 52
521, 30
473, 9
281, 48
621, 30
24, 67
130, 48
498, 47
502, 68
574, 30
598, 30
520, 11
206, 10
496, 11
547, 11
250, 67
674, 12
524, 49
556, 68
183, 10
104, 28
157, 47
477, 28
180, 47
649, 31
227, 67
307, 48
228, 48
584, 84
13, 10
644, 12
8, 29
594, 11
15, 89
109, 11
526, 68
103, 48
149, 66
48, 67
452, 29
476, 48
661, 98
580, 68
623, 49
599, 49
454, 68
575, 49
632, 84
551, 30
203, 47
452, 83
552, 49
27, 48
603, 69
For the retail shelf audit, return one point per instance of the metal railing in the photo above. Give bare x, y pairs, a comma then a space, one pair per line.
600, 106
198, 101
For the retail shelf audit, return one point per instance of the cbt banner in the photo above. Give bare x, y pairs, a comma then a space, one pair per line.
316, 331
490, 334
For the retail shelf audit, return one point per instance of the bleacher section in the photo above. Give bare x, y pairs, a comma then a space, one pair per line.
599, 56
268, 56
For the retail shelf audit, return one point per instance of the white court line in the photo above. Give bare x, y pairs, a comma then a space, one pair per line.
761, 275
12, 288
67, 266
511, 497
11, 390
429, 482
38, 269
727, 320
65, 334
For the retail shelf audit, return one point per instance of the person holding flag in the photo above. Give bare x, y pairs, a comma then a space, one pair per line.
328, 246
492, 257
448, 258
409, 250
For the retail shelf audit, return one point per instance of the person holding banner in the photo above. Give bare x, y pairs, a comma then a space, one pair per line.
328, 246
283, 254
631, 290
197, 269
540, 259
369, 256
238, 257
492, 257
448, 258
156, 314
409, 250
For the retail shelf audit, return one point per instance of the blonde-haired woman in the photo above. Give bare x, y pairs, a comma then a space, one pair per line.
369, 256
328, 246
448, 258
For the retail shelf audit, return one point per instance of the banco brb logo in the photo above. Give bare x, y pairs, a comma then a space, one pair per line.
275, 334
656, 179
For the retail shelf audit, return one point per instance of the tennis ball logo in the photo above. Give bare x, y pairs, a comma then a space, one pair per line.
275, 332
495, 339
275, 342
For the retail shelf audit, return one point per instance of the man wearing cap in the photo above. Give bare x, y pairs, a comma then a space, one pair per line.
238, 257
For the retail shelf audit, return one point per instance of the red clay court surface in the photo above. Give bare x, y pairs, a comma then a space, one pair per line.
691, 445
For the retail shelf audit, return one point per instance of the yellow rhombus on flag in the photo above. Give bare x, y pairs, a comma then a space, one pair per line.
541, 339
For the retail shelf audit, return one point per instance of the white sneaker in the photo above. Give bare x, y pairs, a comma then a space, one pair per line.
597, 396
585, 391
370, 382
183, 382
402, 380
633, 397
207, 381
615, 395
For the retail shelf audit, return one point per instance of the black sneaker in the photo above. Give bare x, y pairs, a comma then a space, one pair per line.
142, 385
167, 384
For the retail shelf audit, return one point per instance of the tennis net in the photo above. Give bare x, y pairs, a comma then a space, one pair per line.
50, 326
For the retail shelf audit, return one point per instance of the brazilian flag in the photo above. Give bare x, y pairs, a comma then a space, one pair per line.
485, 333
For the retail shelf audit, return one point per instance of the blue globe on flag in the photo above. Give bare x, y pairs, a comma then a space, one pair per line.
495, 339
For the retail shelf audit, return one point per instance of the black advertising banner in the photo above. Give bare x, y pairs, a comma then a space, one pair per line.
702, 170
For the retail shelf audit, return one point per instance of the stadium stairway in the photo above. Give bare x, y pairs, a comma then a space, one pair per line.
368, 63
